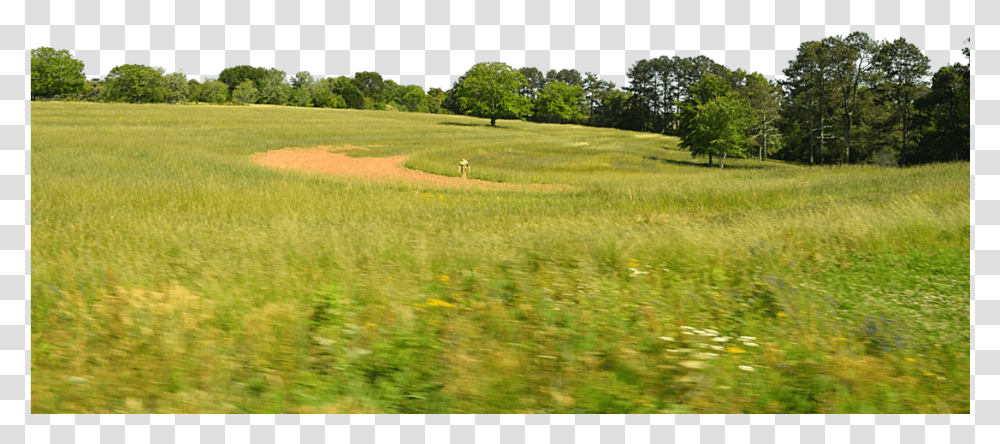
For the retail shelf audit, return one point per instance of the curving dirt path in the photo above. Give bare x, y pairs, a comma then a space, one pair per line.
323, 159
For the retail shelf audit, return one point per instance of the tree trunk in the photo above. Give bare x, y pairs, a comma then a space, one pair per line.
493, 121
709, 159
722, 159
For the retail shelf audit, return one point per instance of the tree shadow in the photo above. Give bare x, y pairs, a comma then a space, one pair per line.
703, 163
473, 125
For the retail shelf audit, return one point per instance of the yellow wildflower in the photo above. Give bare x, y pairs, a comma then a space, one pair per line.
735, 350
438, 303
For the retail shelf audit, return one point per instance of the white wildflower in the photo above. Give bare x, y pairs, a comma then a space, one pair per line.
720, 339
746, 368
718, 347
750, 344
685, 327
667, 338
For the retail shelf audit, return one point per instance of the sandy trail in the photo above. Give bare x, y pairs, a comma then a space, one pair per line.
323, 159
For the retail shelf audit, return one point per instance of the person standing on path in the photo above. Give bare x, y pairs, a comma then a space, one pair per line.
463, 167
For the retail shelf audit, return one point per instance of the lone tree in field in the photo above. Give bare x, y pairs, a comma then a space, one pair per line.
55, 72
720, 127
492, 90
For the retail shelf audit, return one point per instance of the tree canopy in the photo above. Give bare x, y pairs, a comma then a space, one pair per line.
720, 127
55, 72
136, 84
491, 90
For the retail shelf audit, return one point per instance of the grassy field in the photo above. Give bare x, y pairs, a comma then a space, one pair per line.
172, 275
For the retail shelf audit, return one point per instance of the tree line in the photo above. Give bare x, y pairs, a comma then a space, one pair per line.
845, 100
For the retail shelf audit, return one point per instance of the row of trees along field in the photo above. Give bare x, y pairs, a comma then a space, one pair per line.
845, 100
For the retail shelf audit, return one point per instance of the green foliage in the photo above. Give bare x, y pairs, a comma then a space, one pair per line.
323, 98
903, 67
944, 113
135, 84
414, 99
534, 81
179, 87
301, 97
55, 72
435, 99
559, 102
720, 127
236, 75
273, 89
371, 85
345, 87
765, 100
212, 91
491, 90
303, 80
245, 93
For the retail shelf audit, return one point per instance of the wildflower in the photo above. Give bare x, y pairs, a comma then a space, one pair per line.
720, 339
746, 368
718, 347
699, 332
687, 333
369, 324
942, 378
750, 344
667, 338
445, 278
747, 338
685, 327
782, 314
735, 350
438, 303
911, 359
708, 355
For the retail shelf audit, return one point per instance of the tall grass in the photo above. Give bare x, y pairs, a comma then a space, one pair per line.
171, 274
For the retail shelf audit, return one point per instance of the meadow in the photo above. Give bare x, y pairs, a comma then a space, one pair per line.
172, 275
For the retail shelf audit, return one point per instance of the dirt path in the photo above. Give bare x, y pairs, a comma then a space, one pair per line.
324, 159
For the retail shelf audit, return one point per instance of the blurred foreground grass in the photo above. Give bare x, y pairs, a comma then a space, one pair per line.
171, 275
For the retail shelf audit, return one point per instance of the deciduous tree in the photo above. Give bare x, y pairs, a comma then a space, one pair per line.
491, 90
136, 84
559, 102
720, 127
55, 72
